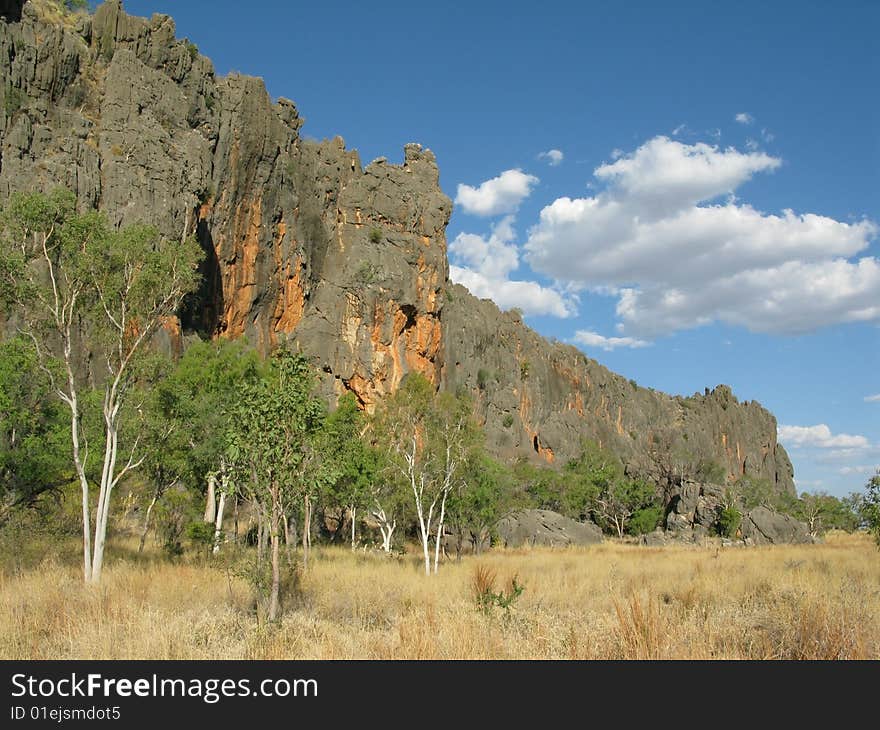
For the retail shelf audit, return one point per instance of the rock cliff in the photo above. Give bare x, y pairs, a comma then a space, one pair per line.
307, 248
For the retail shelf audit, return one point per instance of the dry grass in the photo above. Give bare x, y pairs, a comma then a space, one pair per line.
606, 602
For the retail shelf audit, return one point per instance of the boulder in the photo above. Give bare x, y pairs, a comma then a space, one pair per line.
543, 527
765, 527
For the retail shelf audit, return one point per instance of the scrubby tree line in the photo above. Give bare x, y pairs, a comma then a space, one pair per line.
220, 445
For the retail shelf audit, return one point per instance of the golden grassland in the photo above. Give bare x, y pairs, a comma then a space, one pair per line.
611, 601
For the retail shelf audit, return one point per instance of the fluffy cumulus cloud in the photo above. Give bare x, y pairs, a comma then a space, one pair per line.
821, 437
668, 238
484, 264
594, 339
553, 157
502, 194
872, 398
744, 118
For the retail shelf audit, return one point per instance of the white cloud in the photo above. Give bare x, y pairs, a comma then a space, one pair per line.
681, 128
680, 260
484, 265
861, 469
872, 398
594, 339
553, 157
501, 194
495, 256
529, 296
744, 118
820, 437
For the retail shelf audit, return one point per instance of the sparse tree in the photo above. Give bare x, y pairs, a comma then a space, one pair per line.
66, 274
268, 433
428, 438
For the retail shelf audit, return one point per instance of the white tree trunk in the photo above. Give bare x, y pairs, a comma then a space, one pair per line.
439, 539
210, 501
111, 447
146, 529
81, 475
353, 511
218, 524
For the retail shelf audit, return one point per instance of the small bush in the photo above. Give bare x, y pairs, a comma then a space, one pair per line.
375, 235
367, 273
507, 421
201, 535
524, 369
485, 596
483, 377
729, 520
645, 520
192, 49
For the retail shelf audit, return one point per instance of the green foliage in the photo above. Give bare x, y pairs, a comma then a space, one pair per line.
756, 492
367, 273
645, 520
524, 368
375, 235
869, 509
34, 430
174, 513
201, 535
822, 512
356, 465
271, 424
487, 599
483, 378
729, 520
485, 493
192, 49
507, 421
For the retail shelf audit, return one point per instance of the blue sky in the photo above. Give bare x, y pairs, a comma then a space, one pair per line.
685, 129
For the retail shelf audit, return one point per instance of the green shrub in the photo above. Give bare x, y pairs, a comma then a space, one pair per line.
485, 596
367, 273
524, 369
375, 235
483, 377
507, 421
200, 534
645, 520
729, 520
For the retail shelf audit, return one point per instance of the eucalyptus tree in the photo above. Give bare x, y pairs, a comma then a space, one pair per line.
428, 438
270, 428
80, 291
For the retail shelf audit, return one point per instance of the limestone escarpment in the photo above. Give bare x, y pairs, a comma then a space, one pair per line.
307, 248
542, 398
303, 244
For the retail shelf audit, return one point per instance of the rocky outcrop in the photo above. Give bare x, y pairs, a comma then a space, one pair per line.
693, 511
543, 527
307, 248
